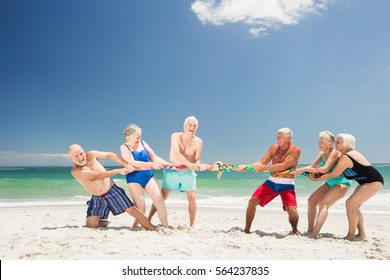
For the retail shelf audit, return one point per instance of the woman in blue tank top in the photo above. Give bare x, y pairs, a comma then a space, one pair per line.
331, 190
139, 154
355, 166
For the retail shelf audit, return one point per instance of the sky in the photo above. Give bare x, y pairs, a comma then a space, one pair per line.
80, 71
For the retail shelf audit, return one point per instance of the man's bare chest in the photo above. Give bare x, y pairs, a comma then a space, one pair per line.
279, 156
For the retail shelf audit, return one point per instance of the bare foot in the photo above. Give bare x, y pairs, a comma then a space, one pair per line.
296, 232
103, 223
356, 238
360, 237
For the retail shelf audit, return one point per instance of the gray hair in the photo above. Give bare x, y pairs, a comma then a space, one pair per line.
328, 136
130, 131
348, 139
190, 118
286, 132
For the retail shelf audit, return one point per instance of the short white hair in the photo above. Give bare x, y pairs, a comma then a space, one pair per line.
286, 132
328, 136
190, 118
348, 139
130, 131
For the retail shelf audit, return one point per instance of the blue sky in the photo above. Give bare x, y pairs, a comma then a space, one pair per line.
81, 71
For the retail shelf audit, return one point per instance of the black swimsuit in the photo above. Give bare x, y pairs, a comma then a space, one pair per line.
362, 173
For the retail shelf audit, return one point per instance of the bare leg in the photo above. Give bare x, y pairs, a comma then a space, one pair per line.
352, 219
153, 210
140, 217
361, 235
137, 194
103, 223
93, 222
250, 213
293, 218
191, 197
361, 194
158, 201
312, 203
331, 196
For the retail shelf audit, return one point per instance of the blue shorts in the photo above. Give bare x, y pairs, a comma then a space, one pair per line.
184, 181
115, 200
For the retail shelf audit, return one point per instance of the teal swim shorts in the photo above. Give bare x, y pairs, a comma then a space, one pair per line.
184, 181
340, 180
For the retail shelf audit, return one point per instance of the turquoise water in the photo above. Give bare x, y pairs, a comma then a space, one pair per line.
54, 185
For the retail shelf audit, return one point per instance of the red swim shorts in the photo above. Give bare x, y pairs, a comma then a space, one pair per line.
272, 188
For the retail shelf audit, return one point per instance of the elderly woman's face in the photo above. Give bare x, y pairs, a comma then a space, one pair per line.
340, 144
135, 139
323, 144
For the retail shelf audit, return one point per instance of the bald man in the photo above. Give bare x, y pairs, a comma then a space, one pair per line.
106, 196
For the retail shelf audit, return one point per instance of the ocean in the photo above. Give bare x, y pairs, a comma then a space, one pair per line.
46, 186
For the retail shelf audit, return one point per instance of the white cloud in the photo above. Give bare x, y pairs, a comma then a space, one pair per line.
260, 15
9, 158
258, 32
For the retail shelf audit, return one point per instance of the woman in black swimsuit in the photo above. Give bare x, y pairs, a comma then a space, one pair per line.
355, 166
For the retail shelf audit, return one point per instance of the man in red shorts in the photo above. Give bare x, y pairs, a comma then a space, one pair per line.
284, 156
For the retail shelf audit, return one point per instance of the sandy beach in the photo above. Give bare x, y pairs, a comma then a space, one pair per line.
57, 233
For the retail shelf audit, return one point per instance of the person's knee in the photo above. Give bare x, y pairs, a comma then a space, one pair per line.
92, 224
351, 205
324, 204
142, 208
133, 211
253, 202
311, 201
158, 202
292, 211
191, 197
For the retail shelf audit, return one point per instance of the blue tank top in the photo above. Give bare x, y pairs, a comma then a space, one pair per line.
140, 155
141, 177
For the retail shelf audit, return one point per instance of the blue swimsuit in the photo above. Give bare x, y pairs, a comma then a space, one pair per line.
140, 177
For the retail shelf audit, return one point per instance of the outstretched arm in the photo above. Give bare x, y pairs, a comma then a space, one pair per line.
313, 165
113, 157
289, 162
330, 162
89, 175
128, 156
343, 163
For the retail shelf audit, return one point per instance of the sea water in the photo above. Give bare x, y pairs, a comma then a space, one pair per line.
45, 186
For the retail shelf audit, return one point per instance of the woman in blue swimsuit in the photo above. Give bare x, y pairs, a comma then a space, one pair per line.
331, 190
140, 155
355, 166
